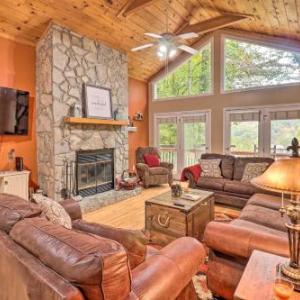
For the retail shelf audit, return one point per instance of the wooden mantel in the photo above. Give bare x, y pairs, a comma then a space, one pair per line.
74, 120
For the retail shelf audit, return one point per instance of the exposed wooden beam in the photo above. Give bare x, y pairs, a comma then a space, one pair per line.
133, 6
212, 24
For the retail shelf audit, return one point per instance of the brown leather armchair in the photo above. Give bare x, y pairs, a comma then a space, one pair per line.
155, 175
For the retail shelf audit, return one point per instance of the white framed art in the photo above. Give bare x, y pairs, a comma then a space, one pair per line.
98, 103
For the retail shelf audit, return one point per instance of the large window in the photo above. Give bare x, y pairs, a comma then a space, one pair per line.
248, 65
261, 132
194, 77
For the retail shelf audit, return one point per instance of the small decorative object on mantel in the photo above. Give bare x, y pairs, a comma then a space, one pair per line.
98, 103
138, 116
294, 147
116, 111
75, 110
176, 190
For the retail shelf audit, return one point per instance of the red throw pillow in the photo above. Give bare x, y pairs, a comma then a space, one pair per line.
151, 160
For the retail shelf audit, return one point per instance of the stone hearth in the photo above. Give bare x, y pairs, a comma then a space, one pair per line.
65, 61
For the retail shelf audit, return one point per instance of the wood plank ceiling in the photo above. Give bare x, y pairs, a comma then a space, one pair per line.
25, 20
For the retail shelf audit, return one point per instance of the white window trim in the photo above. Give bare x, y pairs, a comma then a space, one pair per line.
173, 69
256, 42
264, 127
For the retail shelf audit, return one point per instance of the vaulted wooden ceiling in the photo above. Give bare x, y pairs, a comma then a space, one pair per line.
104, 20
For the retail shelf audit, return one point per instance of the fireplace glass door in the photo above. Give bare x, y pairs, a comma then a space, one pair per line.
95, 172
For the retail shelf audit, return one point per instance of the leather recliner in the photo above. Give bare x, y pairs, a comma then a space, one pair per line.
153, 175
41, 260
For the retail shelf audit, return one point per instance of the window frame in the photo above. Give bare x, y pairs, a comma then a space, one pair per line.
258, 42
173, 68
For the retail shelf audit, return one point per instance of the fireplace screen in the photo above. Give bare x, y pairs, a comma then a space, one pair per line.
94, 172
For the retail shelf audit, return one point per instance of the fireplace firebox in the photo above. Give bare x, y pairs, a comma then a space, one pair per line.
94, 172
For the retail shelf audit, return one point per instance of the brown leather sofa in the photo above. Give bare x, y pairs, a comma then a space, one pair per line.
154, 175
40, 260
229, 190
260, 226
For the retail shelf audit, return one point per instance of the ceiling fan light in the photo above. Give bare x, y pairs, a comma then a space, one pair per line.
172, 53
163, 48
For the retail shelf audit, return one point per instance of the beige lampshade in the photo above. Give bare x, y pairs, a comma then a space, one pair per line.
282, 176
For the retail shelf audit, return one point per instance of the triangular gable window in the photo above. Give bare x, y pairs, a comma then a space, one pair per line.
192, 78
248, 65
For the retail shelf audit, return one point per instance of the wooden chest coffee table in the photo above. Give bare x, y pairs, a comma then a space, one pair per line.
166, 221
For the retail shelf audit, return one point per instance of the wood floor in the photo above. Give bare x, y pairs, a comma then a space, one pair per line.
130, 212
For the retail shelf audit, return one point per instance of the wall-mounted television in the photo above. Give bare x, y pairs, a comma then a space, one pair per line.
14, 106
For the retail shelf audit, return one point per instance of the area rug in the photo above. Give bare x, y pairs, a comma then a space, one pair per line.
200, 284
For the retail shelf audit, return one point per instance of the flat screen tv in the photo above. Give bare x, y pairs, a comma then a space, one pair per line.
14, 105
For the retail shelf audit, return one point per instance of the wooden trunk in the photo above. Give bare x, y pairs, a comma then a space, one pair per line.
166, 224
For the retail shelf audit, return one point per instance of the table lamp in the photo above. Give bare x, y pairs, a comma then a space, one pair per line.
283, 176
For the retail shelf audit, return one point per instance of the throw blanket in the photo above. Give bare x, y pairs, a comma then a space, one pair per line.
195, 170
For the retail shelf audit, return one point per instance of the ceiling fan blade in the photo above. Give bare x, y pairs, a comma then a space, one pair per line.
188, 35
142, 47
188, 49
213, 24
153, 35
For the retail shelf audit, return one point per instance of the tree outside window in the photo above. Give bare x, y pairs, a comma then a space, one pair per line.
194, 77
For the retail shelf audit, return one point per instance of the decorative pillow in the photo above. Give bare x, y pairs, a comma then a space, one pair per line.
210, 168
253, 170
151, 160
53, 211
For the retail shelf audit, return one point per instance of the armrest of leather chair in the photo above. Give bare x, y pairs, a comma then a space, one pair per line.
142, 167
72, 207
167, 165
240, 242
134, 241
165, 274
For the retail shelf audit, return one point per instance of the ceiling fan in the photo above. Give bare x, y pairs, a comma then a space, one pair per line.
168, 43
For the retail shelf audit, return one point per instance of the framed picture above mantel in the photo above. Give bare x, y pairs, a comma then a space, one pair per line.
98, 102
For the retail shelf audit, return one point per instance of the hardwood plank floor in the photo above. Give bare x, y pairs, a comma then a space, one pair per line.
130, 213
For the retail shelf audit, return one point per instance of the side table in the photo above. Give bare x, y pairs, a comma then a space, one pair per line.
258, 278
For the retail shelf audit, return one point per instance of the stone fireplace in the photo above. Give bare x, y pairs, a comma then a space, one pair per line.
65, 62
94, 172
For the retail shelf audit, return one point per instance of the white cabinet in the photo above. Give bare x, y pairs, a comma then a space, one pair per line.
15, 183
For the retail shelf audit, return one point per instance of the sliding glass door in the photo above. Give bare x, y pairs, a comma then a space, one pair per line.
182, 137
265, 131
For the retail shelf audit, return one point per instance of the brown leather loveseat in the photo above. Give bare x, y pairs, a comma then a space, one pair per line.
259, 227
229, 190
40, 260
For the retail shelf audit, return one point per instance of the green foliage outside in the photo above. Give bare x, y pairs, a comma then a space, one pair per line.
248, 65
244, 135
191, 78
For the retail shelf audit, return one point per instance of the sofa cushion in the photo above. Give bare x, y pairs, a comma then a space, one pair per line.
134, 241
94, 264
241, 162
239, 187
210, 168
53, 211
253, 170
158, 171
268, 201
13, 209
211, 183
264, 216
227, 163
152, 160
258, 228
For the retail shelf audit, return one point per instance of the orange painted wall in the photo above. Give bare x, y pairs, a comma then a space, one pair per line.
17, 70
138, 102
